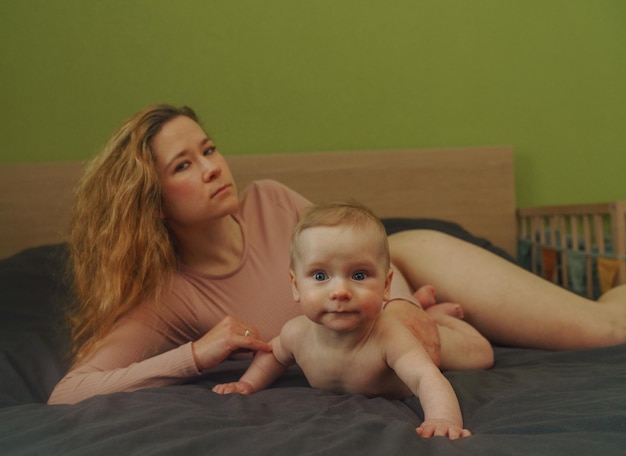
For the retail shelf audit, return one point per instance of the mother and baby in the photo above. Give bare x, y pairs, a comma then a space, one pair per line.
174, 271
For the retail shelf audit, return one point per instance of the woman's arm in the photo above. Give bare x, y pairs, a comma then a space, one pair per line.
135, 356
265, 367
131, 357
172, 367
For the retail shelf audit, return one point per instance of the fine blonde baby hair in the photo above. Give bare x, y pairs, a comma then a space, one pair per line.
343, 213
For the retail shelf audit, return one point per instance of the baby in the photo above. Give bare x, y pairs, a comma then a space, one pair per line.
341, 275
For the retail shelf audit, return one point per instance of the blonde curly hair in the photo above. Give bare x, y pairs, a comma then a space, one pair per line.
121, 251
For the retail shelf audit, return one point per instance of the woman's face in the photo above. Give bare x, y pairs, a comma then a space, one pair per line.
197, 186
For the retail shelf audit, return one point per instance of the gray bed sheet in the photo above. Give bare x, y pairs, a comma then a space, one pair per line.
531, 402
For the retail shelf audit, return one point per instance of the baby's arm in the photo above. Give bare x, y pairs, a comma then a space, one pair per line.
261, 373
442, 413
265, 367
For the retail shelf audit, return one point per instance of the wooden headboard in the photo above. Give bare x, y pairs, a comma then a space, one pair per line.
471, 186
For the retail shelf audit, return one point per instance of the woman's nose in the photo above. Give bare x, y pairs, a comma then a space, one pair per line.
210, 170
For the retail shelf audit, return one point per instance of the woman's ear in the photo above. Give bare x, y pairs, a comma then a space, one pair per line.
387, 293
294, 286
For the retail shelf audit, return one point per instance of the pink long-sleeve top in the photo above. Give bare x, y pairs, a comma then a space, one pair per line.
151, 346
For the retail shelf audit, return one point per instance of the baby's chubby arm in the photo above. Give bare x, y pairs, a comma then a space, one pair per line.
442, 413
264, 369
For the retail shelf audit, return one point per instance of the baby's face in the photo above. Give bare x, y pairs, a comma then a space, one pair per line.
339, 276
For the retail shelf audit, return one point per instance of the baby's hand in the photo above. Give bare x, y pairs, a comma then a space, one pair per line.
444, 428
234, 387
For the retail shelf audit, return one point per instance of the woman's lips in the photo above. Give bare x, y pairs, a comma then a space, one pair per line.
221, 190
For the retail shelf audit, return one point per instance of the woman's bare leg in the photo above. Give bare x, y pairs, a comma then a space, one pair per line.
506, 303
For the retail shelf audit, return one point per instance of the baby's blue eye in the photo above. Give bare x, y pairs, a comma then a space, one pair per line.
319, 276
359, 276
209, 150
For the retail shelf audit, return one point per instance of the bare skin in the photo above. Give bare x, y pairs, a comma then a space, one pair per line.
344, 342
506, 303
462, 345
390, 364
426, 296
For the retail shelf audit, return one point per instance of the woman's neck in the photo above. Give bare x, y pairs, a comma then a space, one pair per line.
216, 250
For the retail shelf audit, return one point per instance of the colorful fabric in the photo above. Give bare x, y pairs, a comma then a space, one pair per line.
576, 267
549, 262
524, 253
607, 272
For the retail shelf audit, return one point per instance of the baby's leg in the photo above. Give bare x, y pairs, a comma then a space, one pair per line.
462, 346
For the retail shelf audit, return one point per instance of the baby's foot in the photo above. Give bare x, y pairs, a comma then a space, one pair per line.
447, 308
425, 295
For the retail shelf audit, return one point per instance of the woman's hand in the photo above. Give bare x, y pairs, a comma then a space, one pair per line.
420, 323
228, 336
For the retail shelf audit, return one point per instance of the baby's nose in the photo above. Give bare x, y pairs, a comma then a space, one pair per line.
340, 292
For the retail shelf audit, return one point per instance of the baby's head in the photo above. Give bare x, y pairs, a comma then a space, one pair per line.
352, 215
340, 268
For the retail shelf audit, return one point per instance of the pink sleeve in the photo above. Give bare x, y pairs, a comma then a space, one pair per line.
133, 356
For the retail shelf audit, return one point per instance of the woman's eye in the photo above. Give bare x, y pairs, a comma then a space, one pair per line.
181, 166
359, 276
319, 276
209, 150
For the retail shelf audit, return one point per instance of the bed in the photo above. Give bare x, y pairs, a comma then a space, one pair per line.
530, 402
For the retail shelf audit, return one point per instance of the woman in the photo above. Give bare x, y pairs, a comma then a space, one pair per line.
174, 272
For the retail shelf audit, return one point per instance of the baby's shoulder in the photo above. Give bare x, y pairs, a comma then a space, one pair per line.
391, 331
387, 322
296, 328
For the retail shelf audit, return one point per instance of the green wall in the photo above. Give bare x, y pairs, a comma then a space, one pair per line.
545, 76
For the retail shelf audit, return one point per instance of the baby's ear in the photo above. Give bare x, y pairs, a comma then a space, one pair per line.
294, 286
387, 293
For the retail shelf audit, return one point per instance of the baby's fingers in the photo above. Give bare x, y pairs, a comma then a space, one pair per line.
219, 389
453, 432
225, 388
425, 431
457, 433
